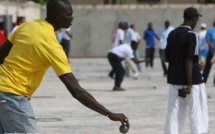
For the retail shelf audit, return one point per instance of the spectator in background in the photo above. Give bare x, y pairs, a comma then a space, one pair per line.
118, 39
203, 46
3, 36
129, 65
148, 36
59, 35
66, 37
136, 37
210, 39
163, 33
19, 21
2, 33
118, 35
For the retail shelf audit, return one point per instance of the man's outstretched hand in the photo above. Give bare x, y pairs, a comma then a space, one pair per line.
119, 117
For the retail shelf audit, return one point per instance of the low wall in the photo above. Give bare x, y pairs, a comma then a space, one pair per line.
93, 26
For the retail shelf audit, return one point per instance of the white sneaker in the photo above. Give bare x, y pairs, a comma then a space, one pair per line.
136, 75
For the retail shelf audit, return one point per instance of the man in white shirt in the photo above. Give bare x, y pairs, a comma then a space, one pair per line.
118, 39
128, 37
66, 37
118, 35
203, 46
163, 34
136, 37
118, 54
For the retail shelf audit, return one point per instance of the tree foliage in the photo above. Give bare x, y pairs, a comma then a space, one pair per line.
209, 1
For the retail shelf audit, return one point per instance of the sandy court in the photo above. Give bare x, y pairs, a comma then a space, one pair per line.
144, 101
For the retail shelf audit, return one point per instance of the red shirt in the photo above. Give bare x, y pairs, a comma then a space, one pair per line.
2, 37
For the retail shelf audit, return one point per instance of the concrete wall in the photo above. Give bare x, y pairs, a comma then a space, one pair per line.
93, 26
28, 9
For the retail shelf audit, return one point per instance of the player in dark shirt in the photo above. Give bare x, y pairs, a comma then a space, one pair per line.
187, 89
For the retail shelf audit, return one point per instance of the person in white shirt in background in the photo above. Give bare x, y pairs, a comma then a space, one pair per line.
118, 54
66, 37
163, 34
19, 21
59, 35
117, 39
118, 35
129, 65
136, 37
203, 46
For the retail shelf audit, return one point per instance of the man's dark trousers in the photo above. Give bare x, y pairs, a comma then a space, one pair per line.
162, 57
66, 46
207, 66
117, 67
150, 56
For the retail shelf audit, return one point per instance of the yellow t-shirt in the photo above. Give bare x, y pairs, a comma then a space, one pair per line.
35, 48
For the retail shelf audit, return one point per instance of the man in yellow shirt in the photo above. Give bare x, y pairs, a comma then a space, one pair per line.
29, 52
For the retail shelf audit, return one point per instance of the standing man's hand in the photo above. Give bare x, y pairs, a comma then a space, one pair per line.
189, 87
119, 117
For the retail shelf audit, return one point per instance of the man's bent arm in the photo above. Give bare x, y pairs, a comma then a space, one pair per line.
210, 44
5, 49
82, 95
137, 61
86, 99
189, 73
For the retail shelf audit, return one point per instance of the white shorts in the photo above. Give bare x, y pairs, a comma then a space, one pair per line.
196, 102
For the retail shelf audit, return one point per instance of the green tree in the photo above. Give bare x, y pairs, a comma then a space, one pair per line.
209, 1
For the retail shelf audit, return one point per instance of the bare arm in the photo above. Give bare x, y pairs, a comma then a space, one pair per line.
69, 34
137, 61
120, 41
5, 49
87, 99
210, 44
157, 37
189, 73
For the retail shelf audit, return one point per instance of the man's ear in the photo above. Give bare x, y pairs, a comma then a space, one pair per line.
194, 19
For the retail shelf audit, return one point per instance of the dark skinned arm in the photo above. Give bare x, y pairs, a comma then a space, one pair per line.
167, 51
120, 41
157, 37
4, 50
88, 100
210, 45
137, 61
69, 34
189, 73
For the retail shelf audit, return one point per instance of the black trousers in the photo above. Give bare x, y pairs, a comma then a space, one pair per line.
162, 57
208, 67
150, 56
117, 67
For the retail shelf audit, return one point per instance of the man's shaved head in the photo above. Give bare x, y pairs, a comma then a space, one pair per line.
56, 5
59, 13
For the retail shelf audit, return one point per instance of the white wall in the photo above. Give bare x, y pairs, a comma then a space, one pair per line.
28, 9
